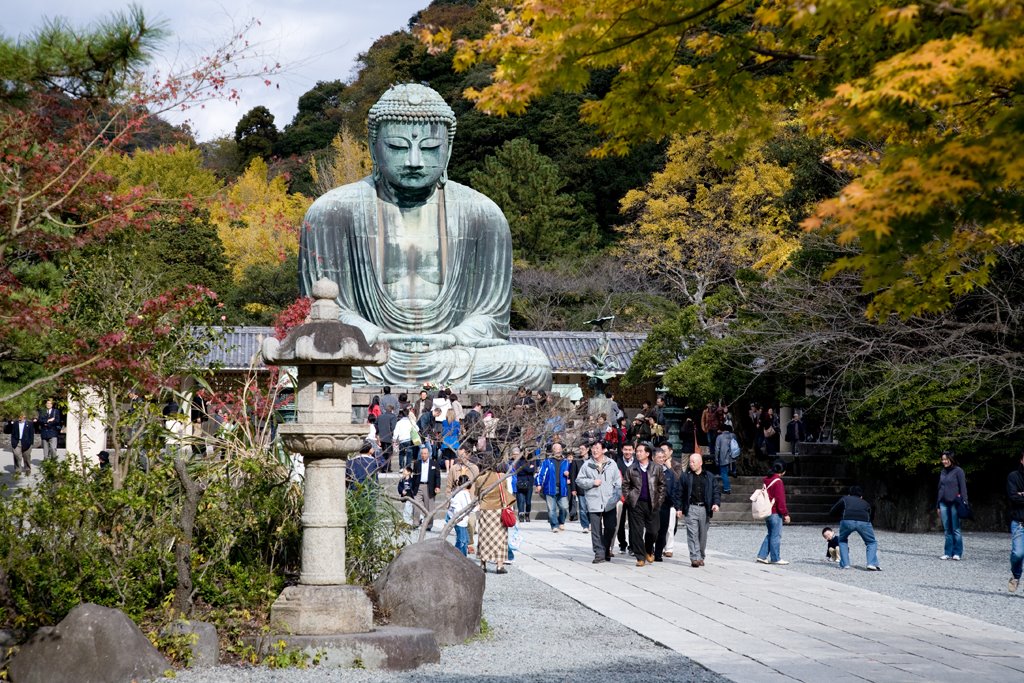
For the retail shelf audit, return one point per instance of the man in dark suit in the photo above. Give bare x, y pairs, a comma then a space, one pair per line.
50, 421
22, 435
426, 482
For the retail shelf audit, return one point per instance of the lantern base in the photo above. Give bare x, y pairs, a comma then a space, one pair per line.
321, 610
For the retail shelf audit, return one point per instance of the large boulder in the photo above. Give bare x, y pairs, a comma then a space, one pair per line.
432, 585
92, 645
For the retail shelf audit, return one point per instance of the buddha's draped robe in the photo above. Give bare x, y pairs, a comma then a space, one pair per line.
342, 239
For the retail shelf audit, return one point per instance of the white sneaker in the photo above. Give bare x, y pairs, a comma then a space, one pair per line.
763, 560
956, 557
945, 557
873, 568
781, 562
1012, 587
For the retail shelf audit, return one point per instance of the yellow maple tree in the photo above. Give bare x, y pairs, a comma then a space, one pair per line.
258, 220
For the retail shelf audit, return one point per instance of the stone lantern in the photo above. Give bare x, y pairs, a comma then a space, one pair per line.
323, 350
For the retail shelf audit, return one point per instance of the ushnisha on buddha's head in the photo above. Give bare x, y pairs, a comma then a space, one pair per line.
411, 132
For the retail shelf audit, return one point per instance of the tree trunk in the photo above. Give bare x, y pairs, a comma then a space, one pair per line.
183, 548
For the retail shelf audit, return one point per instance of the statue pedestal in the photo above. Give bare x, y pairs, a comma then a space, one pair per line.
321, 610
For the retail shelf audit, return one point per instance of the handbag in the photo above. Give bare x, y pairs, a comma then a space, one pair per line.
963, 508
414, 435
508, 516
515, 539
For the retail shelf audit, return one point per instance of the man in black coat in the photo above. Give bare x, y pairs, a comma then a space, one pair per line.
644, 489
426, 483
699, 499
50, 421
624, 463
23, 434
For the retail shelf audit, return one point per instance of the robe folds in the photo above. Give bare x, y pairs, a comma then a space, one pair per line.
343, 240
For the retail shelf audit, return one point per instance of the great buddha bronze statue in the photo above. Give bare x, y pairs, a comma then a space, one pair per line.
421, 262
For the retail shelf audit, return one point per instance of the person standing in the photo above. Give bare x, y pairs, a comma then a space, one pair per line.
23, 434
725, 453
553, 481
795, 431
952, 488
402, 435
389, 399
386, 430
1015, 494
426, 484
644, 489
699, 499
771, 547
856, 515
600, 480
666, 513
50, 421
525, 469
710, 423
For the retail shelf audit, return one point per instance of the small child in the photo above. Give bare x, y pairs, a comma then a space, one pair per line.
405, 491
832, 550
460, 501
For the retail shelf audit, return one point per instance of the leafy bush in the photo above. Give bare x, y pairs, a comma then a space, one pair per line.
72, 538
375, 532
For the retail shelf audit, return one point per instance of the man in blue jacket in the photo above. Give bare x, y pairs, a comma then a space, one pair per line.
553, 480
856, 515
23, 434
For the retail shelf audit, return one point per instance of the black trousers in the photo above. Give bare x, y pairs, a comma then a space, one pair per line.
622, 528
643, 523
602, 533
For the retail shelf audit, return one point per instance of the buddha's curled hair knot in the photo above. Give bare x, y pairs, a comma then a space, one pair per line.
411, 103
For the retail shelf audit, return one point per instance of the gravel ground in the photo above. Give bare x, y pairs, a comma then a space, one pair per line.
537, 634
911, 568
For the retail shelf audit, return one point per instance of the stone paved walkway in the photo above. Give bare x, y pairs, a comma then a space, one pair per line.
760, 623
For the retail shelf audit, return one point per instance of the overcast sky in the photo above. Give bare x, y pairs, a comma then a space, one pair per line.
314, 40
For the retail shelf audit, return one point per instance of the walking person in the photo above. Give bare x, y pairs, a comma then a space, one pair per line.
23, 434
624, 463
601, 482
699, 500
1015, 494
553, 481
402, 436
726, 451
578, 494
644, 489
856, 515
666, 513
771, 547
493, 491
426, 484
50, 422
677, 467
952, 489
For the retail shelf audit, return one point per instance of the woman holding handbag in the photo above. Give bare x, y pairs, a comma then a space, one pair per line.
495, 496
952, 502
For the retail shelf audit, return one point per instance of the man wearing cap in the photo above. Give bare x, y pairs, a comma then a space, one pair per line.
645, 490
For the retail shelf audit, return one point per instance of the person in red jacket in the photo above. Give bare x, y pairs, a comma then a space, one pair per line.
770, 547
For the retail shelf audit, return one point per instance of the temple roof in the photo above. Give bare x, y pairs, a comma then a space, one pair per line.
569, 352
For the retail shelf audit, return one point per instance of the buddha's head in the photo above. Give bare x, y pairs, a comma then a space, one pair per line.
411, 133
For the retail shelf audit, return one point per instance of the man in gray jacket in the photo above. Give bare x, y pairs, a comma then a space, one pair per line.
601, 482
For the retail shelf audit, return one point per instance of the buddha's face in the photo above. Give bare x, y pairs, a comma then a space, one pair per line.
412, 156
